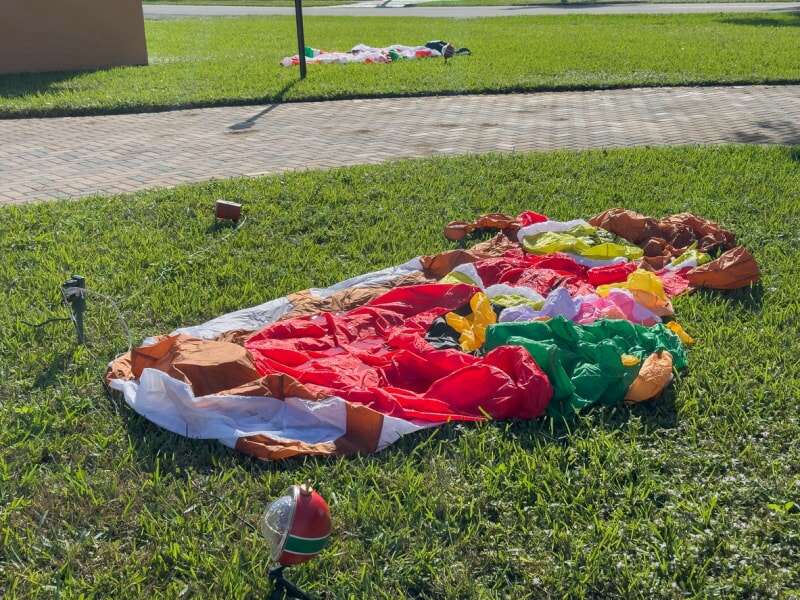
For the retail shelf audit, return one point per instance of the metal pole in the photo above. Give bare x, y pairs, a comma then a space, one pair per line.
301, 38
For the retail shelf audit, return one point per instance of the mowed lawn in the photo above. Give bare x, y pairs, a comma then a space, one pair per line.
691, 495
197, 62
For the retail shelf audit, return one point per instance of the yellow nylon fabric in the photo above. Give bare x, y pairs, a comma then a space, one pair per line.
646, 289
473, 327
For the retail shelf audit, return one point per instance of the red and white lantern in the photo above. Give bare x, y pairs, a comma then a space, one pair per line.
297, 525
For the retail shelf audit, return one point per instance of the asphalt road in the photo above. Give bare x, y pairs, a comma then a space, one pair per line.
161, 11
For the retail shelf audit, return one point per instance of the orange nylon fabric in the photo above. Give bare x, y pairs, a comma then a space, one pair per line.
734, 269
653, 377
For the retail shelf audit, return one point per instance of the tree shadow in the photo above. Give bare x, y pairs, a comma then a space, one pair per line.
770, 132
765, 20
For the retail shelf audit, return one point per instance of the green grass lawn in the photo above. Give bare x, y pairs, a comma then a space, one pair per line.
198, 62
683, 497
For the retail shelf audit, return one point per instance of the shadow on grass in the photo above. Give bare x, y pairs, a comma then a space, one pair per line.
223, 224
173, 454
749, 299
657, 414
765, 21
25, 84
48, 377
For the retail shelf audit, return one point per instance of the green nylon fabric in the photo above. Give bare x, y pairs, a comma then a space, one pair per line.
458, 277
583, 240
507, 300
584, 362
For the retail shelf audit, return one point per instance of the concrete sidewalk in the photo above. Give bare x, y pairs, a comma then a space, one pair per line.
162, 11
75, 156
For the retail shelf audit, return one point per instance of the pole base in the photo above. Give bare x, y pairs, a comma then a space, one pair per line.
282, 588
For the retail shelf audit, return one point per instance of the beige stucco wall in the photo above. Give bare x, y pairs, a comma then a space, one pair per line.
66, 35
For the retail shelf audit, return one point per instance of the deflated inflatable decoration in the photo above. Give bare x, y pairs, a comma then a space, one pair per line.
545, 318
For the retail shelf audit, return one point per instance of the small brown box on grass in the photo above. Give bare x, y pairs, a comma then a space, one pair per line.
225, 209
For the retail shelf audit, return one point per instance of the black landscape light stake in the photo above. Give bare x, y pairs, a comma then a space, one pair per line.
283, 588
74, 292
301, 38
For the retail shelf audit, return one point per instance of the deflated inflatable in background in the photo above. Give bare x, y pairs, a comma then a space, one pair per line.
545, 318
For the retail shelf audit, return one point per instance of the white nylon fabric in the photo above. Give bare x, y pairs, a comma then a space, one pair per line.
171, 404
247, 319
256, 317
375, 278
503, 289
470, 271
596, 262
549, 227
688, 263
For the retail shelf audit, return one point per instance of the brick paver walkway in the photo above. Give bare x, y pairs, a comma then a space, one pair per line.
55, 158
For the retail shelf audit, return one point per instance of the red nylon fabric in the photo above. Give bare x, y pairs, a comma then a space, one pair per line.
377, 355
544, 273
529, 217
610, 273
675, 282
541, 273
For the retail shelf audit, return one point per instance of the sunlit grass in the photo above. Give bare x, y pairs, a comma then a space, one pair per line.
199, 62
676, 498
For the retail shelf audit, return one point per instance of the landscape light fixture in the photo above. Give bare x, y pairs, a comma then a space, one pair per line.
73, 291
297, 526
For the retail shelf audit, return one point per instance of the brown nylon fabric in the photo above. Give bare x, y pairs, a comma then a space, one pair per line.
278, 386
120, 368
363, 434
734, 269
458, 230
439, 265
209, 366
304, 303
235, 336
667, 237
267, 448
